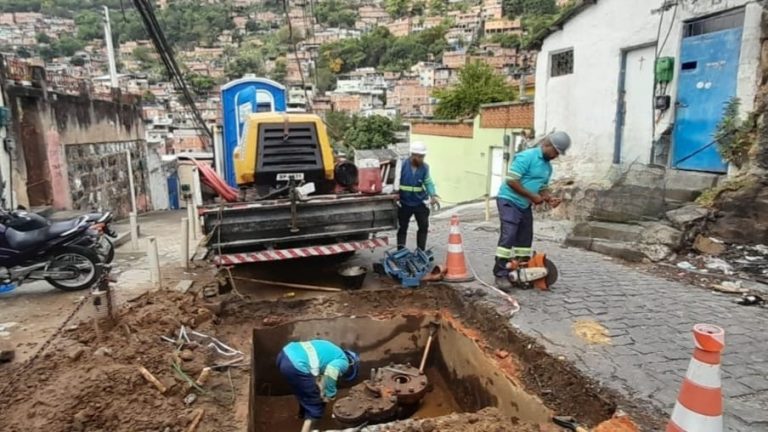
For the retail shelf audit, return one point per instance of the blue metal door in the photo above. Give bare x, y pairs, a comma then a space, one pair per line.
709, 66
173, 191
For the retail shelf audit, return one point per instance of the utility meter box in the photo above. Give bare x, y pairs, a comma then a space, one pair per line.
665, 70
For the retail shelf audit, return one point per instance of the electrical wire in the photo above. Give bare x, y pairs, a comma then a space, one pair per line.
296, 51
164, 50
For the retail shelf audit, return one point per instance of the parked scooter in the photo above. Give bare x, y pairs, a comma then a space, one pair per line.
51, 253
22, 220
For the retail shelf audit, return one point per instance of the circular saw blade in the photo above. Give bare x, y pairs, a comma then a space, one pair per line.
552, 272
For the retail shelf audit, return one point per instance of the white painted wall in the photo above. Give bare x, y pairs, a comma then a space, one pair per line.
584, 103
158, 184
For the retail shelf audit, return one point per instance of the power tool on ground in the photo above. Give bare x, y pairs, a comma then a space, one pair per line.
537, 271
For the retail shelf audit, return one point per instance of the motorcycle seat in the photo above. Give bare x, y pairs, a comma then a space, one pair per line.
20, 240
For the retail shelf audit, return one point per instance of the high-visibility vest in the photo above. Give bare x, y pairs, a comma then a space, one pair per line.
413, 191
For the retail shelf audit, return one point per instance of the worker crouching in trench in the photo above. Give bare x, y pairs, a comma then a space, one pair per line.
312, 369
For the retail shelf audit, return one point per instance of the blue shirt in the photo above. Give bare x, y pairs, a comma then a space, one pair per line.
319, 358
533, 170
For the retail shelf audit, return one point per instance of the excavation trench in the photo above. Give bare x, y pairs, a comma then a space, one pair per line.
462, 377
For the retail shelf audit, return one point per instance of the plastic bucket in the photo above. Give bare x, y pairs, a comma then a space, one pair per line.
352, 278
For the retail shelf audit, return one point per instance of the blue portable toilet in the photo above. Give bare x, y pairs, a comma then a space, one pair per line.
239, 98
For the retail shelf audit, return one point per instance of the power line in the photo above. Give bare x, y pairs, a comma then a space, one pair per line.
164, 50
296, 53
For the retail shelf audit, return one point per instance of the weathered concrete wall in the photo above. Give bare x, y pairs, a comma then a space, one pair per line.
98, 176
45, 123
584, 103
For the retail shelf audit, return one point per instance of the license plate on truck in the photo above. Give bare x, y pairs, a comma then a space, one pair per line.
290, 176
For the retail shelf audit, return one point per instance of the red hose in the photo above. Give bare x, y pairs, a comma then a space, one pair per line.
210, 178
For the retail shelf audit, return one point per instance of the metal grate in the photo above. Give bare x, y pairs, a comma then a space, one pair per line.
290, 146
561, 63
724, 21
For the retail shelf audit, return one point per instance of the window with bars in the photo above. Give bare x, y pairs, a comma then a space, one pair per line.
561, 63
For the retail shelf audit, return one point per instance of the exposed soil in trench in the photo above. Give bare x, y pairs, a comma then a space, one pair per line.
90, 381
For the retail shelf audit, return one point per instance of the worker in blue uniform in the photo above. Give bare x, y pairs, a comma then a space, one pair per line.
526, 183
417, 191
312, 369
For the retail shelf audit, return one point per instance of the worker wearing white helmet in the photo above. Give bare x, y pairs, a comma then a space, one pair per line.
416, 191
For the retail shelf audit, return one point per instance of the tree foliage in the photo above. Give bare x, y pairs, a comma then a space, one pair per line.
438, 7
336, 13
478, 84
280, 71
337, 123
372, 132
517, 8
200, 84
379, 49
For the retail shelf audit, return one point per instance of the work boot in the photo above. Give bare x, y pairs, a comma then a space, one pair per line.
503, 284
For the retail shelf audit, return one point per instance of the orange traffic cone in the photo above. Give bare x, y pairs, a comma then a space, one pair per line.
455, 262
699, 407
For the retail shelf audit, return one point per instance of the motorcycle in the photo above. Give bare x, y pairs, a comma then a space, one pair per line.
51, 253
101, 231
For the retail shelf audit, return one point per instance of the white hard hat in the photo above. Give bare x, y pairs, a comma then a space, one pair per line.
418, 148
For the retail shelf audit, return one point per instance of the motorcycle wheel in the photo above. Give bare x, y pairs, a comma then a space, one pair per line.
106, 250
84, 260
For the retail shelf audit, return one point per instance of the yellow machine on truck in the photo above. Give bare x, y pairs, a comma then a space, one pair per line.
295, 199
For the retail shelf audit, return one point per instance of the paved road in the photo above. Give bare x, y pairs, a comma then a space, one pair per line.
649, 320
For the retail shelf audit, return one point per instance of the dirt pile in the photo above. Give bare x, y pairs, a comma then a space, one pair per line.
486, 420
91, 381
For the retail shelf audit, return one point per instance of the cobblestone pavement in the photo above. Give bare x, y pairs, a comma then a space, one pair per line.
649, 320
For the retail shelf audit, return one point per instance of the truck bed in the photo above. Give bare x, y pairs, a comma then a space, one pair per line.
320, 220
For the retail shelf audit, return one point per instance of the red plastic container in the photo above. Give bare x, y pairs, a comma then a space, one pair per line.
369, 176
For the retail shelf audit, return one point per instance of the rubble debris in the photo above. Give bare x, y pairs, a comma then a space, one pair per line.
709, 245
186, 355
204, 374
151, 379
730, 287
617, 424
190, 399
76, 353
685, 265
751, 300
7, 355
684, 216
103, 352
718, 264
184, 286
196, 420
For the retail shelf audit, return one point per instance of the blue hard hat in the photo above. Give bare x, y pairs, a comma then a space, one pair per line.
354, 365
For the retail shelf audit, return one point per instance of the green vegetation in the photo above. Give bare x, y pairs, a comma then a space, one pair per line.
280, 70
66, 46
734, 136
709, 197
478, 84
374, 132
506, 40
520, 8
380, 49
200, 84
336, 13
337, 122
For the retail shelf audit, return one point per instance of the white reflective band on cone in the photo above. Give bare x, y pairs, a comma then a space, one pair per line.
690, 421
703, 374
314, 360
455, 248
455, 229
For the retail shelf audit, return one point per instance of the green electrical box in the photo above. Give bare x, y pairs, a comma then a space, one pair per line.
5, 117
665, 70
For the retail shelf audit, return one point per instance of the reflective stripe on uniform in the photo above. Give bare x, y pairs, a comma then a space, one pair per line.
332, 373
411, 188
314, 360
523, 251
503, 252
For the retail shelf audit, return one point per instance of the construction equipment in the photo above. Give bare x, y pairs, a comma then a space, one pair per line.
406, 267
388, 394
295, 200
433, 326
537, 271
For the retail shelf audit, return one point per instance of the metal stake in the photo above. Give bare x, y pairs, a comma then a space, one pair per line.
185, 243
